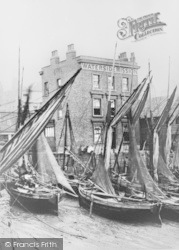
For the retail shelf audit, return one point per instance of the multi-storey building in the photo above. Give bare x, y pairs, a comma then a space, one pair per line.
89, 94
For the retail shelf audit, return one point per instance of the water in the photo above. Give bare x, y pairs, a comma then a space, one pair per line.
80, 231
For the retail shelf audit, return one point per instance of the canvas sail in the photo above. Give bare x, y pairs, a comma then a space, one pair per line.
47, 166
116, 119
101, 178
143, 175
165, 171
133, 118
161, 158
29, 133
136, 163
176, 157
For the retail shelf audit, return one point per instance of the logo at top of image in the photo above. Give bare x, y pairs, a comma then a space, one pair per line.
140, 28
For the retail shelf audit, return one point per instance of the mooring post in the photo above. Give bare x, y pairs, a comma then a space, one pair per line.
91, 206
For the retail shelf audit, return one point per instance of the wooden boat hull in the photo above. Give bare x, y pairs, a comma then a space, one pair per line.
171, 205
117, 209
74, 184
38, 202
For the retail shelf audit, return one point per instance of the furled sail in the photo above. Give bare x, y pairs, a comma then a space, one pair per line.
47, 166
29, 133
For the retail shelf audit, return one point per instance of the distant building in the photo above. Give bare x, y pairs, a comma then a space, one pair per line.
7, 126
89, 94
8, 112
157, 106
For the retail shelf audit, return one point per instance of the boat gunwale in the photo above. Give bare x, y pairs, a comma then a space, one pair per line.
118, 204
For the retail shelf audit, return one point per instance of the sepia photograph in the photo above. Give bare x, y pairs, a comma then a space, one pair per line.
89, 125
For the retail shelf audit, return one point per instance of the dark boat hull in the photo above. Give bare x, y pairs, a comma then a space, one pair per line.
118, 209
34, 202
171, 205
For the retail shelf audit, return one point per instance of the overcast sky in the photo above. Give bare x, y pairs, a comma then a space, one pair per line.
41, 26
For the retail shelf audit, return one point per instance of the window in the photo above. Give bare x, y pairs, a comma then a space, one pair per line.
111, 84
125, 84
4, 138
97, 107
113, 146
96, 82
49, 132
125, 132
59, 82
124, 99
50, 129
113, 107
97, 134
60, 113
46, 89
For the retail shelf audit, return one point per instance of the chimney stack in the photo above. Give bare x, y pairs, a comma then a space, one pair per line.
55, 58
71, 53
123, 57
132, 59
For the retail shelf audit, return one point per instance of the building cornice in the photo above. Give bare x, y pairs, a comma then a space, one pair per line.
105, 61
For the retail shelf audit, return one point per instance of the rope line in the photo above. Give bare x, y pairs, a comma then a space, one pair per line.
55, 228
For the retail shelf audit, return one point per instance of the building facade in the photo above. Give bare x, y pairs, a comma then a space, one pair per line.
89, 94
7, 126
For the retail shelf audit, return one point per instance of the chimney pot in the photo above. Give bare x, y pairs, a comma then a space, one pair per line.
55, 58
71, 53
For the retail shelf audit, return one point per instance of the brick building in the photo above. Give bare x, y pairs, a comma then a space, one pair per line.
89, 94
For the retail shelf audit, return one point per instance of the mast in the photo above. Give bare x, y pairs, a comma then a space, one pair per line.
19, 95
168, 90
22, 82
112, 73
65, 139
150, 128
108, 115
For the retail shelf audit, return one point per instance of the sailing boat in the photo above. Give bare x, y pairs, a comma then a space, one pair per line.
99, 193
44, 192
167, 180
158, 167
69, 166
175, 161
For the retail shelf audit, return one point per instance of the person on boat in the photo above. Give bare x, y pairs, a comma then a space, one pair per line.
23, 169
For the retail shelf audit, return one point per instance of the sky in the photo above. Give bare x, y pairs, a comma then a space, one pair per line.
40, 26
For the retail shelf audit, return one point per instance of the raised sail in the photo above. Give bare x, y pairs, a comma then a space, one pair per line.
47, 166
28, 134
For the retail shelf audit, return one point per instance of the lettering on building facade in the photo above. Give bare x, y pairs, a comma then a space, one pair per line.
107, 68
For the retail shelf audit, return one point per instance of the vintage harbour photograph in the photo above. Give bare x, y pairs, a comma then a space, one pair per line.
89, 124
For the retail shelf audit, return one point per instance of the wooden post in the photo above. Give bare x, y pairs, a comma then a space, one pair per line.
91, 206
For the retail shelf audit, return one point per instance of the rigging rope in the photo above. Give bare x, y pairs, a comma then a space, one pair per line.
55, 228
